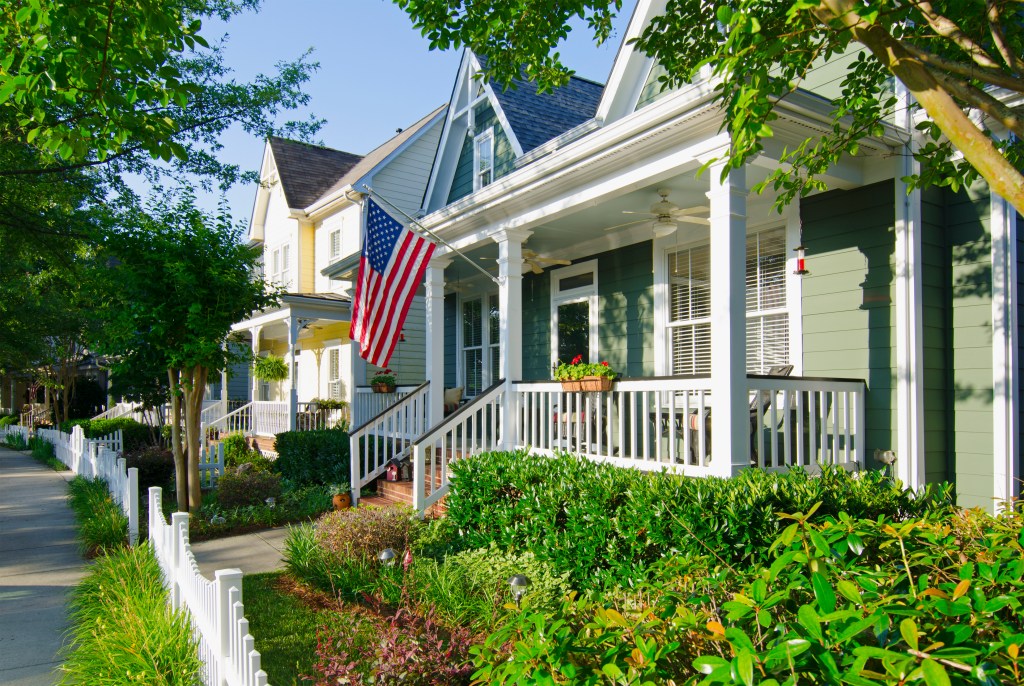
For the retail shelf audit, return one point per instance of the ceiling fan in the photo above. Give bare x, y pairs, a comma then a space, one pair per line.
537, 262
667, 215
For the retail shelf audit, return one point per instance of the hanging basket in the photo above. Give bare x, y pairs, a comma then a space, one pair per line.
588, 384
383, 388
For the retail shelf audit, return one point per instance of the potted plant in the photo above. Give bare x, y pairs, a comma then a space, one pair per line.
584, 376
270, 368
383, 381
342, 498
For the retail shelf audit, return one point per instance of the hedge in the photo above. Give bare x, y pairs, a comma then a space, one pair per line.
597, 520
136, 434
313, 457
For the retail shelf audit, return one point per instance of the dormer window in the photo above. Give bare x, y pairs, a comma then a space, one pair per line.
483, 158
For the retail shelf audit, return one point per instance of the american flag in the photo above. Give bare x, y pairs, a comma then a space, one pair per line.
390, 269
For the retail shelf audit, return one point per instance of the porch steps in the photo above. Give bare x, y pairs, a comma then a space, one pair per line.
265, 444
391, 493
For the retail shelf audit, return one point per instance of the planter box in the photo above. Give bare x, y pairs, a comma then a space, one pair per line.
588, 384
382, 388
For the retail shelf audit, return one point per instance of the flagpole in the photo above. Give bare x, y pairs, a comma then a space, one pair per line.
372, 193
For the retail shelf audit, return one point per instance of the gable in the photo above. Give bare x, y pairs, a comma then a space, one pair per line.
307, 171
519, 119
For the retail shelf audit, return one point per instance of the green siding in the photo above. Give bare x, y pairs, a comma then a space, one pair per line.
968, 339
849, 320
653, 89
451, 323
504, 156
625, 289
935, 318
849, 327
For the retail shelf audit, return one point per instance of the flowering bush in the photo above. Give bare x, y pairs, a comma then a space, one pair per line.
578, 369
384, 376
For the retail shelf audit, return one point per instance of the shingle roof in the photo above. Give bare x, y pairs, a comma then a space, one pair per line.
377, 155
536, 118
306, 171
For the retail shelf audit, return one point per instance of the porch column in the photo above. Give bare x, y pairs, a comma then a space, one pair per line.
730, 417
1005, 352
293, 368
510, 323
910, 449
434, 288
255, 383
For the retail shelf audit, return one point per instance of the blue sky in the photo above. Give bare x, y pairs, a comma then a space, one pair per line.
376, 72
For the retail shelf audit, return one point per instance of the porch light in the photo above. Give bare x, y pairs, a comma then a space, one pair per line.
519, 583
801, 265
387, 557
664, 227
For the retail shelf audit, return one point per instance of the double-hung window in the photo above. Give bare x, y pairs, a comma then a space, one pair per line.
689, 307
334, 373
334, 245
483, 158
280, 266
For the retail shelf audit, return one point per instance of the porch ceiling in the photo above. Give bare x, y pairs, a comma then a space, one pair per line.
581, 231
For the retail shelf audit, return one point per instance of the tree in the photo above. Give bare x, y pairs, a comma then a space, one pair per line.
954, 56
98, 83
179, 279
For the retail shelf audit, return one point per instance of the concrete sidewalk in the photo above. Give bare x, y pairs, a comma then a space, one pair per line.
39, 565
252, 553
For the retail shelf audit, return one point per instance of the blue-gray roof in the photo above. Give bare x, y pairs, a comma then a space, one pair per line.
536, 118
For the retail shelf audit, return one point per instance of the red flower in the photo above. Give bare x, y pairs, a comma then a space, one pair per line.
604, 363
407, 560
577, 359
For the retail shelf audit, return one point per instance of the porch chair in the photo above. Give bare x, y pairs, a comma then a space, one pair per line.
759, 406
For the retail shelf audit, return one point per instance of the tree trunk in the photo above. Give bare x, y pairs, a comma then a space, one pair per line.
180, 464
195, 390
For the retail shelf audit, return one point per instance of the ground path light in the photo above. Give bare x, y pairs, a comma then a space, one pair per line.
386, 557
519, 583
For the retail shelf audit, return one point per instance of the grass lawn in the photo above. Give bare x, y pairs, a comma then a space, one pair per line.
284, 626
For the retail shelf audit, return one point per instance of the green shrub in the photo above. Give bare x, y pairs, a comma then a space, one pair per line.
101, 523
136, 435
122, 629
240, 488
237, 452
934, 601
155, 465
602, 522
313, 457
15, 442
8, 420
43, 451
472, 587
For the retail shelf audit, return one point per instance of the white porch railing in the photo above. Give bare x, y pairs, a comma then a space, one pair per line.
312, 417
100, 458
117, 410
473, 428
269, 418
385, 436
368, 403
236, 421
226, 647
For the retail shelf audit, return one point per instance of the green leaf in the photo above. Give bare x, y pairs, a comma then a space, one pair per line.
908, 629
823, 593
808, 619
744, 666
934, 673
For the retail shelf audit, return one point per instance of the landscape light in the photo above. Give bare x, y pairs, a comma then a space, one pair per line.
519, 583
387, 557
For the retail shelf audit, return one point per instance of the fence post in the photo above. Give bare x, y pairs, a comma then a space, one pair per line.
226, 580
179, 534
156, 509
133, 506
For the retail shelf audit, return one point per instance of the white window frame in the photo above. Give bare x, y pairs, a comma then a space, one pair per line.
334, 244
587, 294
487, 347
334, 373
280, 265
484, 139
662, 292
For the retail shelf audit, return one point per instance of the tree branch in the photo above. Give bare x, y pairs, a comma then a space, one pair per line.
999, 38
949, 30
996, 77
1007, 116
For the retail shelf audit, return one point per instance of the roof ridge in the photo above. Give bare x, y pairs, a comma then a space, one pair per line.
314, 145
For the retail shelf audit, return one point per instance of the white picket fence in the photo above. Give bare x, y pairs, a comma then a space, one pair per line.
218, 618
14, 430
100, 458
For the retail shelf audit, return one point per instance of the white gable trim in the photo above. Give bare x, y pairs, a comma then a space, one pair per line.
631, 67
268, 177
442, 173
